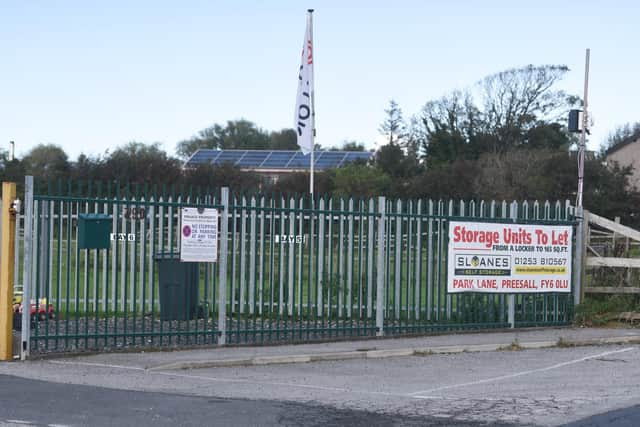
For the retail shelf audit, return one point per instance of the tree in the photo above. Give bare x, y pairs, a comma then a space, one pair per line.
206, 138
298, 183
46, 161
525, 175
393, 127
448, 181
516, 108
88, 168
285, 139
243, 135
361, 180
445, 129
141, 163
412, 141
552, 136
236, 134
390, 159
516, 100
209, 176
398, 158
11, 170
349, 146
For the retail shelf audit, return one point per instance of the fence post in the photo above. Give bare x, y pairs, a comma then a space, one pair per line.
222, 268
512, 297
43, 250
582, 216
6, 271
370, 247
397, 276
320, 260
380, 270
252, 257
291, 255
27, 268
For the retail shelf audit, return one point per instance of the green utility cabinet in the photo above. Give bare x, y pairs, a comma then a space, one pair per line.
178, 286
94, 231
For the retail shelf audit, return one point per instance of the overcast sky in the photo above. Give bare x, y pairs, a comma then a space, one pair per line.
91, 76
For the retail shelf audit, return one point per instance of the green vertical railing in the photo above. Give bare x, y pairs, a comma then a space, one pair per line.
297, 269
109, 298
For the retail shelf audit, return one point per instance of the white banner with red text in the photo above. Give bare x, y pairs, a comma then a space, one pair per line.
509, 257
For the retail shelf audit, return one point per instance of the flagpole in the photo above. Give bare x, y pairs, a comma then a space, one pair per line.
313, 109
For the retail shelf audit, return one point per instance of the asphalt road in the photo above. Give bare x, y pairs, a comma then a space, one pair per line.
586, 386
40, 403
626, 417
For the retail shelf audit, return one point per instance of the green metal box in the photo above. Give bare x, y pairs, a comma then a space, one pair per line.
94, 231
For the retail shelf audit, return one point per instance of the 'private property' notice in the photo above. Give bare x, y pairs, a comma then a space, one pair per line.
199, 235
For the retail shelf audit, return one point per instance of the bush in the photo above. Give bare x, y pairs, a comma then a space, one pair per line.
599, 310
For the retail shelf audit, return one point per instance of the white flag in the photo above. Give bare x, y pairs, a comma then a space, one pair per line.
304, 105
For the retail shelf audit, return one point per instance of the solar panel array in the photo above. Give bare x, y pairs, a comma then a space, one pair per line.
275, 159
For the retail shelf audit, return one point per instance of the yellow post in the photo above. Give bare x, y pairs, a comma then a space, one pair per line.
6, 270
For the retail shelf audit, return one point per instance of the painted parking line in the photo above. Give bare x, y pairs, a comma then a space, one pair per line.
99, 365
29, 423
276, 383
227, 380
425, 394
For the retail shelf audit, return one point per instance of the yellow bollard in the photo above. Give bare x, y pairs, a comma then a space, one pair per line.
6, 270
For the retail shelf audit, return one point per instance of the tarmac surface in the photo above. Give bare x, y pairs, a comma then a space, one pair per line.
565, 375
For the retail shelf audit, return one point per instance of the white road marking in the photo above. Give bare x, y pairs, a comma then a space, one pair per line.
227, 380
282, 384
242, 381
20, 422
103, 365
423, 394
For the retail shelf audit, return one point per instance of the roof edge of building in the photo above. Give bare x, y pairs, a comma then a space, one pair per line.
628, 141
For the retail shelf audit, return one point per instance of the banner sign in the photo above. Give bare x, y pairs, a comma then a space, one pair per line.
304, 121
509, 257
199, 235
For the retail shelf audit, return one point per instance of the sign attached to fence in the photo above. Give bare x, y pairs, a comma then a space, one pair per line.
509, 258
199, 235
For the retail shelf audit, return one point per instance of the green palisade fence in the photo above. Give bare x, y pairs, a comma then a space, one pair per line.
290, 269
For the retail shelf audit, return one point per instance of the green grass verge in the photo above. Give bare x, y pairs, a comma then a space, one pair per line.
600, 310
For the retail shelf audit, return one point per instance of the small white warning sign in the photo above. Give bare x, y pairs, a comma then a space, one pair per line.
199, 235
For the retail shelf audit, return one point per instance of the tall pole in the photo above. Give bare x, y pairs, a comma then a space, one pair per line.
313, 109
579, 262
8, 224
583, 139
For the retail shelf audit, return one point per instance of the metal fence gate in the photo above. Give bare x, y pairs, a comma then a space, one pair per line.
290, 269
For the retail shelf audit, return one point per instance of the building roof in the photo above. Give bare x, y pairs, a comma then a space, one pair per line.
276, 160
633, 138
